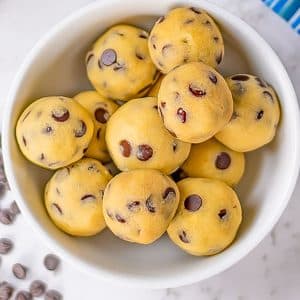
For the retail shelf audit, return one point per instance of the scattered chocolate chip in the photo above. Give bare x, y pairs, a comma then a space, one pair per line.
5, 245
6, 217
163, 104
219, 58
13, 208
42, 156
93, 168
88, 198
120, 219
193, 202
222, 161
139, 56
222, 214
134, 205
240, 77
19, 271
24, 141
143, 35
150, 205
169, 194
261, 83
234, 115
183, 237
207, 23
6, 290
216, 39
188, 21
268, 95
155, 107
165, 49
53, 295
144, 152
125, 148
51, 262
181, 114
195, 10
196, 91
89, 57
160, 20
60, 114
56, 208
98, 133
174, 146
213, 78
37, 288
185, 41
259, 115
144, 89
120, 33
108, 57
81, 131
23, 295
101, 115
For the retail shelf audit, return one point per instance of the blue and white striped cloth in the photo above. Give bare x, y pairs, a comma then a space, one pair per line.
288, 10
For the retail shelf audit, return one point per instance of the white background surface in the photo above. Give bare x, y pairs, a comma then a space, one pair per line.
271, 271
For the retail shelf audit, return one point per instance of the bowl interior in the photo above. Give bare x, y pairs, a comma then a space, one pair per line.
57, 68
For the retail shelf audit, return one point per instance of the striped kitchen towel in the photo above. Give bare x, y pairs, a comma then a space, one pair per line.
288, 10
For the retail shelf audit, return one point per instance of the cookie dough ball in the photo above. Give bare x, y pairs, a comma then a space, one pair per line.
155, 88
138, 205
137, 139
208, 216
185, 35
256, 114
74, 196
213, 160
54, 132
119, 65
194, 102
100, 109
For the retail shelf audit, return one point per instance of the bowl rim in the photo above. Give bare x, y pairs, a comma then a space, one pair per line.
120, 278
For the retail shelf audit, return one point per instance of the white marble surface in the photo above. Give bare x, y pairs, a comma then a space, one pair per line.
271, 271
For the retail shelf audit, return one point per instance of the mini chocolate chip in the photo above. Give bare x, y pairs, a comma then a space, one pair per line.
144, 89
101, 115
216, 39
108, 57
13, 208
81, 131
150, 205
6, 290
268, 95
259, 115
183, 237
98, 133
169, 194
188, 21
174, 146
134, 205
23, 295
5, 245
178, 175
185, 41
213, 78
219, 58
165, 49
24, 141
120, 219
155, 107
240, 77
160, 20
222, 161
153, 41
19, 271
53, 295
163, 104
89, 57
6, 217
144, 152
140, 56
93, 168
125, 148
120, 33
60, 114
56, 208
51, 262
196, 91
88, 198
193, 202
37, 288
222, 214
207, 23
261, 82
181, 114
195, 10
143, 35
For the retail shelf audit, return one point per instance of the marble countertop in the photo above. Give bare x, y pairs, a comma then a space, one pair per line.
271, 271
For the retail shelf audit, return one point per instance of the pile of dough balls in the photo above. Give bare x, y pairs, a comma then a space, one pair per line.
158, 145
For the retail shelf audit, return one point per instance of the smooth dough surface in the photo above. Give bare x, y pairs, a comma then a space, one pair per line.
194, 102
208, 216
100, 109
137, 139
74, 197
256, 114
185, 35
53, 132
212, 159
138, 205
119, 65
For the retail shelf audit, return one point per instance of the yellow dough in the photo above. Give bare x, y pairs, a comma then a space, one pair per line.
208, 216
100, 109
74, 197
53, 132
138, 205
155, 88
256, 114
119, 65
185, 35
194, 102
137, 139
213, 160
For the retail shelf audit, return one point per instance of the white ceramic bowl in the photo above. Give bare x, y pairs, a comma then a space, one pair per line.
56, 67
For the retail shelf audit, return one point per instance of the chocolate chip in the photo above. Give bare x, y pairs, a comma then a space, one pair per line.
6, 217
150, 205
169, 194
56, 208
89, 57
84, 150
240, 77
37, 288
196, 91
183, 237
125, 148
53, 295
24, 141
163, 104
88, 198
144, 89
222, 214
120, 33
120, 219
98, 133
5, 245
134, 205
144, 152
213, 78
193, 202
178, 175
268, 95
81, 131
13, 208
195, 10
155, 107
108, 57
219, 58
101, 115
51, 262
174, 146
188, 21
207, 23
261, 83
6, 290
60, 114
19, 271
259, 115
42, 156
153, 41
160, 20
181, 114
222, 161
23, 295
165, 49
140, 56
143, 35
216, 39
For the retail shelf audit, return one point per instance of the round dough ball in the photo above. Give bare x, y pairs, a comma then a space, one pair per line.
54, 132
213, 160
74, 196
185, 35
137, 139
139, 205
155, 88
119, 65
208, 216
100, 109
194, 102
256, 114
